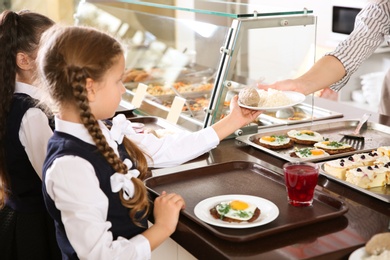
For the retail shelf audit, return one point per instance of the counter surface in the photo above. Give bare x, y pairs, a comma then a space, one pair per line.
331, 239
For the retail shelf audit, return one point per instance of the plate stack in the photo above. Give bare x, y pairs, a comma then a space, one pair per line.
372, 87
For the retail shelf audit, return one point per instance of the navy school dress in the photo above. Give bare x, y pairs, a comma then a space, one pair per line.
26, 229
62, 144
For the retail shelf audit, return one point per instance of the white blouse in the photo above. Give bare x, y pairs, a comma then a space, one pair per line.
372, 26
72, 184
34, 132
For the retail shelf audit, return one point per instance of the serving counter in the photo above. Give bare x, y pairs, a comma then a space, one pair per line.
335, 238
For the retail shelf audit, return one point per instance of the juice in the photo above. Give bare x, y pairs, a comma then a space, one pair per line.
301, 179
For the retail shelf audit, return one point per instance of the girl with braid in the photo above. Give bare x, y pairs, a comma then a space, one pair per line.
26, 229
93, 176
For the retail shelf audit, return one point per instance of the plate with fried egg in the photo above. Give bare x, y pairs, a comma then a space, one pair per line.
239, 207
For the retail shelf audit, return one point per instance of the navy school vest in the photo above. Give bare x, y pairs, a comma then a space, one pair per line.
64, 144
26, 186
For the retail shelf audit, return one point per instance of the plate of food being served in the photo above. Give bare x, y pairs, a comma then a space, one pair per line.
236, 211
268, 100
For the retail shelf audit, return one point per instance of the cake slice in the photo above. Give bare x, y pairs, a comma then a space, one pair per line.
367, 158
339, 167
384, 150
368, 176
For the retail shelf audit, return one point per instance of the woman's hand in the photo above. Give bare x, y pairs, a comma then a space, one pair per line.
284, 85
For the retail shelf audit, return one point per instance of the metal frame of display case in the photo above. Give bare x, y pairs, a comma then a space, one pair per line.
229, 55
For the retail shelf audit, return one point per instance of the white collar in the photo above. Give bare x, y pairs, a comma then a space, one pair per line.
30, 90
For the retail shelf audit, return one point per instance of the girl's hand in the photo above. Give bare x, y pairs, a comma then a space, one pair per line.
245, 115
167, 209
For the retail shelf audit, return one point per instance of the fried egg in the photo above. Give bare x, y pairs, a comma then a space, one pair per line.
310, 153
306, 135
236, 209
274, 140
332, 145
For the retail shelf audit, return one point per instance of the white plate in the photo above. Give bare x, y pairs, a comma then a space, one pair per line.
358, 254
296, 98
269, 211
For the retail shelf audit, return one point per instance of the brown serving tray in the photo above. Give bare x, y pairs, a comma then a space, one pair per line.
247, 178
376, 135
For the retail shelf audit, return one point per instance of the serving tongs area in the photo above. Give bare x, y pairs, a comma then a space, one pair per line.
180, 95
355, 139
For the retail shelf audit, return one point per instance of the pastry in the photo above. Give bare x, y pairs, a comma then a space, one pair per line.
379, 245
368, 176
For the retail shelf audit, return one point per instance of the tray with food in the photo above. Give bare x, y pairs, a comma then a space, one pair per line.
366, 172
257, 192
318, 141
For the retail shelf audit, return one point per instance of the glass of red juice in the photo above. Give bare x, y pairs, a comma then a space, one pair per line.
301, 179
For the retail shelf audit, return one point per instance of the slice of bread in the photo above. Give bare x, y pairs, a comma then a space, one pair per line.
216, 215
306, 137
276, 145
334, 147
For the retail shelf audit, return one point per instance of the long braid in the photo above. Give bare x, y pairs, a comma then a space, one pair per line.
77, 78
19, 32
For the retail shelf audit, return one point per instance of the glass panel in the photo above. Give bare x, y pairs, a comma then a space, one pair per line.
173, 56
264, 50
227, 8
194, 55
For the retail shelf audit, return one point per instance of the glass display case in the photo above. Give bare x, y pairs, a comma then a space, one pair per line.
188, 58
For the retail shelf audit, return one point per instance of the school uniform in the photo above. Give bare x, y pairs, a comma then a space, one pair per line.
26, 229
74, 188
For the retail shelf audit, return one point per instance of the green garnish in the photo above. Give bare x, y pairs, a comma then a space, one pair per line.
279, 138
305, 152
335, 144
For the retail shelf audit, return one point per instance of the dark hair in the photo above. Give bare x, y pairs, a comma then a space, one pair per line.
66, 58
19, 32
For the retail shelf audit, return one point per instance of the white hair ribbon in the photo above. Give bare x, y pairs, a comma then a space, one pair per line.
123, 181
120, 127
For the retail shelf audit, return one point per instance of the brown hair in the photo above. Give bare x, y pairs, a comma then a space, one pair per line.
19, 32
67, 57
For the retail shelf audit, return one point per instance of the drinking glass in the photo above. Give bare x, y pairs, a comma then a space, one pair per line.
301, 179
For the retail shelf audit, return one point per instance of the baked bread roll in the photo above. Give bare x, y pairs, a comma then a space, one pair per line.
378, 244
249, 97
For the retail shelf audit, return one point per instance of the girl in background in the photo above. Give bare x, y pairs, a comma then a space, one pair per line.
87, 165
26, 229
